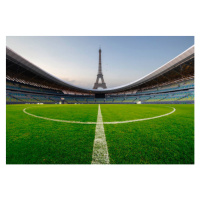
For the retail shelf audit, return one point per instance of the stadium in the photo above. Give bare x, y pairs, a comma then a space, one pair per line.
147, 121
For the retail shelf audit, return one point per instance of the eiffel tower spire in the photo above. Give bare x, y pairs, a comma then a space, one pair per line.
99, 75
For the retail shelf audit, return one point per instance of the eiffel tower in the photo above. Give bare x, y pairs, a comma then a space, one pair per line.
100, 75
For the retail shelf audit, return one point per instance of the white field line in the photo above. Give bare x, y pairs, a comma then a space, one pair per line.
118, 122
137, 120
100, 149
57, 120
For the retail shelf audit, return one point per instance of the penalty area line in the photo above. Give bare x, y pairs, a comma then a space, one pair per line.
100, 149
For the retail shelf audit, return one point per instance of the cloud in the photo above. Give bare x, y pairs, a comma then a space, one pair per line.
68, 80
79, 83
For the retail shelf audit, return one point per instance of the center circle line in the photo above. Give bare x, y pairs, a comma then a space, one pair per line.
117, 122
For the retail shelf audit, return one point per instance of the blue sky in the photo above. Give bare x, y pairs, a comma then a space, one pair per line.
75, 59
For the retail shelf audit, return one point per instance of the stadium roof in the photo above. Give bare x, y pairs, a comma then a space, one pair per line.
21, 70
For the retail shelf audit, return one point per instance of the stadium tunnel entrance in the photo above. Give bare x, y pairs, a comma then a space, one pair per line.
101, 95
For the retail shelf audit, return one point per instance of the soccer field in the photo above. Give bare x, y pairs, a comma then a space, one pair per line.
134, 134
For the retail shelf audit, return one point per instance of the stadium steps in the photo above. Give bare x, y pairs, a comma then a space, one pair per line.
183, 97
55, 100
76, 100
163, 98
150, 99
147, 99
71, 100
48, 99
81, 101
134, 100
109, 100
35, 99
52, 100
10, 98
18, 99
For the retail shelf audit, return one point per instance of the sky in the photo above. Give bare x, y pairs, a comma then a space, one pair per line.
75, 59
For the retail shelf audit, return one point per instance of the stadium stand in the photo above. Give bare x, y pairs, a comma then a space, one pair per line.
171, 83
172, 96
23, 87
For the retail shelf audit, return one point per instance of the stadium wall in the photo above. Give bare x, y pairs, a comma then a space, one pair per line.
169, 102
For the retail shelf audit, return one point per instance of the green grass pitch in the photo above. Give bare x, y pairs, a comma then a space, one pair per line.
165, 140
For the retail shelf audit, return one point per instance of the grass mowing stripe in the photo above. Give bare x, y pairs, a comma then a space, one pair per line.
100, 149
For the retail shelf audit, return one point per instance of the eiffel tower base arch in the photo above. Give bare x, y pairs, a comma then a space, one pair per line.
97, 85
